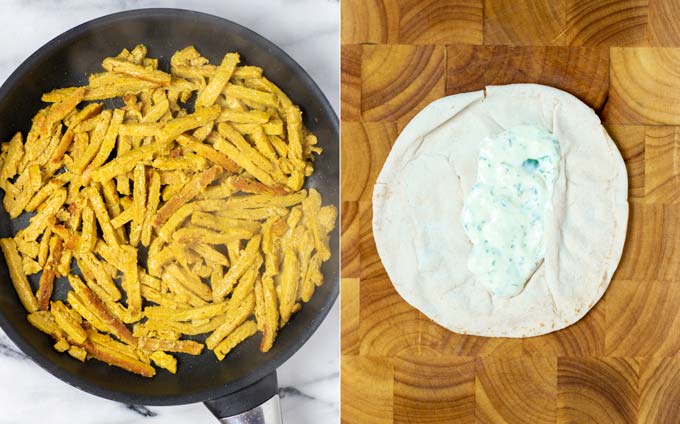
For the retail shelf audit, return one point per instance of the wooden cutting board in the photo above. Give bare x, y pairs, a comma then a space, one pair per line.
621, 363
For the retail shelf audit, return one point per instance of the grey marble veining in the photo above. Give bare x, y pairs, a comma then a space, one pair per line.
308, 30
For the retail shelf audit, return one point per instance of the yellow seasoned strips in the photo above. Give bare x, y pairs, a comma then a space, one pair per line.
213, 190
151, 207
290, 278
163, 360
192, 314
89, 231
218, 81
15, 153
294, 128
252, 214
124, 164
102, 215
243, 160
176, 127
139, 129
256, 96
44, 321
98, 134
241, 333
190, 281
247, 72
243, 311
103, 314
237, 269
17, 195
49, 272
208, 152
60, 110
105, 92
131, 282
137, 71
250, 117
272, 128
271, 314
182, 346
264, 84
93, 269
46, 191
191, 190
42, 219
311, 207
111, 356
211, 221
253, 155
193, 235
21, 285
109, 141
264, 200
138, 203
68, 323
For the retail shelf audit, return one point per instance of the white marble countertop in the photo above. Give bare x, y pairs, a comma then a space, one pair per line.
309, 380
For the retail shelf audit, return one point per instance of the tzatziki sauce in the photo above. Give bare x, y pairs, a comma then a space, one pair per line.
504, 214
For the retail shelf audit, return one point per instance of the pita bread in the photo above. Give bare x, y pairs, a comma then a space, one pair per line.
418, 199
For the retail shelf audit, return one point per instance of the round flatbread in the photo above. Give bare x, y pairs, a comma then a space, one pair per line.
418, 200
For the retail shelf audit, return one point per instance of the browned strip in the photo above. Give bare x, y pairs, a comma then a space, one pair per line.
60, 110
137, 71
208, 152
62, 147
184, 346
193, 188
47, 278
114, 358
249, 185
117, 327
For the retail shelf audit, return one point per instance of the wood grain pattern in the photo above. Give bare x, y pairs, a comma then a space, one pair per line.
606, 22
524, 22
662, 174
664, 28
578, 70
350, 83
642, 319
349, 316
645, 86
440, 21
366, 390
398, 81
597, 390
368, 21
652, 247
585, 338
659, 390
388, 326
359, 154
620, 363
412, 21
516, 390
349, 237
433, 390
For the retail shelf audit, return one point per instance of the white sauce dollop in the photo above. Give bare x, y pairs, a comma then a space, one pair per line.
504, 213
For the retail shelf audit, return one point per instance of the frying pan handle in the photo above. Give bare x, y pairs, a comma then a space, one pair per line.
254, 404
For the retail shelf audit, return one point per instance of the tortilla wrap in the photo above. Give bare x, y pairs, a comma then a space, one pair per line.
418, 200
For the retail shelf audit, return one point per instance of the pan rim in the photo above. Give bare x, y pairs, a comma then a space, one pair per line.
271, 366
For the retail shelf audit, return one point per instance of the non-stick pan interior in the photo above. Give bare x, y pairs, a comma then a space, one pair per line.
67, 61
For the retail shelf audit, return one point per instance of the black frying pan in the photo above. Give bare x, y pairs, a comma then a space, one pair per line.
246, 377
